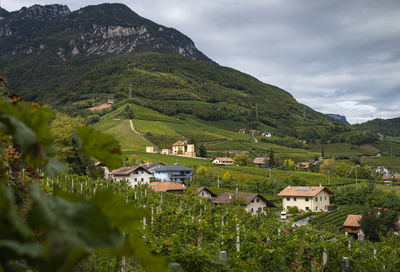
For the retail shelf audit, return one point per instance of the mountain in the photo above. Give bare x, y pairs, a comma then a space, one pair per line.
74, 60
387, 127
3, 13
341, 118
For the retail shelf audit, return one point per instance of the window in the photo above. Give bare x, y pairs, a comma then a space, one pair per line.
135, 179
326, 207
252, 201
252, 210
264, 208
325, 197
294, 198
202, 194
288, 198
316, 208
288, 207
258, 200
316, 199
306, 198
141, 179
307, 208
320, 198
259, 209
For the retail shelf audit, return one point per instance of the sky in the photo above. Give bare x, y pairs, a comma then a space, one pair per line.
336, 56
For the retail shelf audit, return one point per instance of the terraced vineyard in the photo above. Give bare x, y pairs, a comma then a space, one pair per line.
333, 221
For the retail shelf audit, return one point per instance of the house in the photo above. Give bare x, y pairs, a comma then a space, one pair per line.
173, 173
105, 168
183, 148
313, 198
303, 165
253, 131
135, 175
381, 170
149, 149
253, 203
110, 101
266, 134
242, 131
396, 177
387, 178
260, 161
152, 166
223, 161
352, 225
165, 151
204, 192
168, 187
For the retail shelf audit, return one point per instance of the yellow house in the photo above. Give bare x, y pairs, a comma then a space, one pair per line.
306, 198
183, 148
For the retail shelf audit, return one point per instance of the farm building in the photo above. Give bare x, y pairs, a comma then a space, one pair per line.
312, 198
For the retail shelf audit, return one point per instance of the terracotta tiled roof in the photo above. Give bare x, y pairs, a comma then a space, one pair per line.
303, 165
387, 177
227, 198
223, 159
166, 186
303, 191
127, 170
352, 220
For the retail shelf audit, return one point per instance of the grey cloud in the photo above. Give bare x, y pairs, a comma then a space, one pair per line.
336, 56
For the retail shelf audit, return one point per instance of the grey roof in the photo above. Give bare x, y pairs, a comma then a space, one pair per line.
127, 170
151, 165
173, 168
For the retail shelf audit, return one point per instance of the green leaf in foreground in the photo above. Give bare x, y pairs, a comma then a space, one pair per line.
99, 145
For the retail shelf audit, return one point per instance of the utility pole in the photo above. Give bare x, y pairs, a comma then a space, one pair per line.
218, 178
130, 90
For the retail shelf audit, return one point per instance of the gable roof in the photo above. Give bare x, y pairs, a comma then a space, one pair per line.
198, 190
173, 168
303, 191
352, 220
227, 198
224, 159
166, 186
127, 170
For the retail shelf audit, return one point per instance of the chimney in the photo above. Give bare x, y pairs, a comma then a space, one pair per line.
289, 187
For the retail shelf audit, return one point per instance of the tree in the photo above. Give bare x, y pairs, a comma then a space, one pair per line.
374, 223
241, 159
341, 169
202, 151
271, 161
322, 151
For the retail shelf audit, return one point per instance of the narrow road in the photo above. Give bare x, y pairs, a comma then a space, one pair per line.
133, 128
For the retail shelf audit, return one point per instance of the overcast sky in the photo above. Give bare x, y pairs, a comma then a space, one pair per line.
336, 56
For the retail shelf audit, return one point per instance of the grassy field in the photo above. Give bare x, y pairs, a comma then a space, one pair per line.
121, 130
392, 163
154, 127
343, 149
168, 159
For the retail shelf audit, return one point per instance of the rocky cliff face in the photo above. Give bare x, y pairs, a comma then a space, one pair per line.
341, 118
107, 29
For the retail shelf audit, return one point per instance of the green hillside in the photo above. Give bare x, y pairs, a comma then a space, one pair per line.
389, 127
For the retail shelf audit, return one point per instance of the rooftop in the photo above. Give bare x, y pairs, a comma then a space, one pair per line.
227, 198
166, 186
173, 168
303, 191
352, 220
127, 170
224, 159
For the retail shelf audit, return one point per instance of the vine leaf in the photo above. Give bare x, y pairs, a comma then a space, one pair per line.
99, 145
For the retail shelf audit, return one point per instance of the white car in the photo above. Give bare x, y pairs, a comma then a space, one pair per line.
283, 215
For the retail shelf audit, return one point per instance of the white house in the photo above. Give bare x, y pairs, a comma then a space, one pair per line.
223, 161
312, 198
204, 192
173, 173
266, 134
381, 170
253, 203
135, 175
